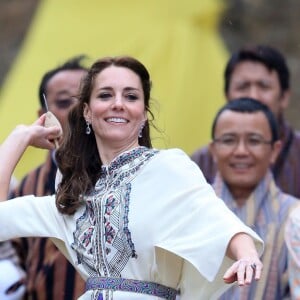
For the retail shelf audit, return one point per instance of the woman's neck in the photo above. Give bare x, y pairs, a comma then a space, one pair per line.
108, 154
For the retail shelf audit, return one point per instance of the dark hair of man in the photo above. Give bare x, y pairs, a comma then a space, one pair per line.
73, 64
82, 168
271, 58
248, 105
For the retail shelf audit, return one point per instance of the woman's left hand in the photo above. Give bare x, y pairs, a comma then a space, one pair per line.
244, 271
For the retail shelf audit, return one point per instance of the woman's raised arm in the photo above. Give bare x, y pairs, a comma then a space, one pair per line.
13, 147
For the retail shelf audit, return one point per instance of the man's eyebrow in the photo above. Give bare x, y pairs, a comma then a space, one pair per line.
65, 93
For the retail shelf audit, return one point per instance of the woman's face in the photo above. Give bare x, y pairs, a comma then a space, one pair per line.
116, 110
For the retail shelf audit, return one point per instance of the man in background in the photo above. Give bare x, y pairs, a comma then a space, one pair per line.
245, 142
49, 275
261, 72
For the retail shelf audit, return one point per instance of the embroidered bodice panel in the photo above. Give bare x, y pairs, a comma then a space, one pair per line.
102, 239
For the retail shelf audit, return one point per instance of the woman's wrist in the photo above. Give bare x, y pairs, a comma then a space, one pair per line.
242, 246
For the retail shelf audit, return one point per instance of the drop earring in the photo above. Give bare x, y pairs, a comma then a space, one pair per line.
141, 131
88, 128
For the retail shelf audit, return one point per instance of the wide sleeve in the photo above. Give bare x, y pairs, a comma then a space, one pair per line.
30, 216
198, 226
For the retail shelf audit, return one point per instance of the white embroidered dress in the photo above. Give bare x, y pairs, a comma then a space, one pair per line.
151, 217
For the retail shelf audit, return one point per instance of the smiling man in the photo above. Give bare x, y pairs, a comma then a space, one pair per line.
261, 72
244, 145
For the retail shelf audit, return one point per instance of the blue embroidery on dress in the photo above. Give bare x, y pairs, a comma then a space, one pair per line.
102, 239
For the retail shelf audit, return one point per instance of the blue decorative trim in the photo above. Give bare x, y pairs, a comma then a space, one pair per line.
132, 285
102, 238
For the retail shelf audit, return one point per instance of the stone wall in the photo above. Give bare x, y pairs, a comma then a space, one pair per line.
15, 17
272, 22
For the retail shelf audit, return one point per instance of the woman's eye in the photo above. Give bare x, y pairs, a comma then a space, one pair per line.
132, 97
104, 95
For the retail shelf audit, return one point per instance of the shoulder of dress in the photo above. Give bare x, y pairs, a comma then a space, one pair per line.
173, 153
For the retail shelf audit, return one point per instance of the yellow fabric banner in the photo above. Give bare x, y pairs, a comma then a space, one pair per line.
178, 41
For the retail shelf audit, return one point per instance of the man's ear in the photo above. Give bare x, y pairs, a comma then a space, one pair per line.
276, 148
285, 99
212, 149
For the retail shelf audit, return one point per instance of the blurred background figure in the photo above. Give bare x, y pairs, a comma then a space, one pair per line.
49, 274
12, 281
244, 144
292, 238
261, 72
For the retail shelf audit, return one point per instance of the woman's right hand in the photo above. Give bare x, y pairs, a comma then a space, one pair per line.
38, 135
13, 147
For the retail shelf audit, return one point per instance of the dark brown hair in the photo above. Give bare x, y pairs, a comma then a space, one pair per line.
78, 158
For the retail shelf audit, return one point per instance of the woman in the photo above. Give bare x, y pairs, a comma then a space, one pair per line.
137, 223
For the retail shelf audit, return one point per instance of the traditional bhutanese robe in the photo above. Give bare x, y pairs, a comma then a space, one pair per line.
7, 251
265, 211
292, 238
151, 217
